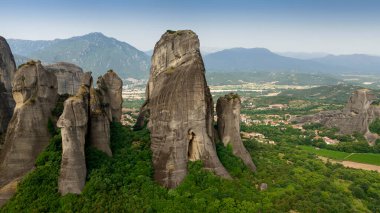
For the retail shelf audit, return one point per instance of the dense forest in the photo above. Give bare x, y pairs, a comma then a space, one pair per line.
296, 180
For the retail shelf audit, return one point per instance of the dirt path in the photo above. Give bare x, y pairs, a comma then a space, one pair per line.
351, 164
349, 155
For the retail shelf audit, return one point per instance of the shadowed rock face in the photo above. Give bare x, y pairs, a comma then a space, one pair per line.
356, 116
86, 115
7, 70
68, 76
110, 86
35, 94
99, 123
7, 64
181, 109
73, 123
228, 111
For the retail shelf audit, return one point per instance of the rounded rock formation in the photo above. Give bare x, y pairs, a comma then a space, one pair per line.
35, 94
68, 76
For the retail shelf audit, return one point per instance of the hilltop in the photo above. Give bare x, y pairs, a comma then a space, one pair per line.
93, 52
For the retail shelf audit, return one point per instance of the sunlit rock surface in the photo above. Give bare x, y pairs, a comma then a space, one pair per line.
181, 109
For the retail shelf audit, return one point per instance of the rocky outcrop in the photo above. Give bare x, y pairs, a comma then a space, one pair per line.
7, 70
110, 86
69, 77
356, 116
181, 109
228, 111
87, 115
99, 123
7, 64
73, 123
35, 94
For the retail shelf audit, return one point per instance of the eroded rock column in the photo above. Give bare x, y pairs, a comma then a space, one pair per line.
228, 111
35, 94
110, 87
7, 71
73, 123
99, 123
181, 109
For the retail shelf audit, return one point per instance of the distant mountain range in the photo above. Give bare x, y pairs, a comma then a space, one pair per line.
98, 53
93, 52
303, 55
261, 59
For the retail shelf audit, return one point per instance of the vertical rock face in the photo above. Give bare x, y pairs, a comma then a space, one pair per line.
7, 70
110, 86
35, 94
73, 124
181, 109
228, 111
99, 123
68, 76
7, 64
87, 115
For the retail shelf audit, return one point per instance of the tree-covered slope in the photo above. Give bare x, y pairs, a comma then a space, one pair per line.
93, 52
296, 181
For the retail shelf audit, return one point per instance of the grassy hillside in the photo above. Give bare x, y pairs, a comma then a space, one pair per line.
296, 181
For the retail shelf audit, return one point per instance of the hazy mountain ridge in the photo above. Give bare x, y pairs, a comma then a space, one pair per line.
261, 59
356, 62
93, 52
98, 53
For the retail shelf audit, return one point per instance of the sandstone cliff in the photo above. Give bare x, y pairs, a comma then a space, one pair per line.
99, 123
69, 77
87, 115
73, 123
110, 87
181, 109
7, 64
7, 70
35, 94
228, 111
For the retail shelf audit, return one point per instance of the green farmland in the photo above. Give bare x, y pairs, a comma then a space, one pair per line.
368, 158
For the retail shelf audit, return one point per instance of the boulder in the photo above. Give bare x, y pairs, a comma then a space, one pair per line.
68, 76
181, 109
7, 70
228, 111
73, 123
35, 94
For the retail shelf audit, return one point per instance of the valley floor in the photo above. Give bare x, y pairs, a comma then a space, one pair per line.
350, 164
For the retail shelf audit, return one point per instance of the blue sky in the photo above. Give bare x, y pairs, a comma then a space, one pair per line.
333, 26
